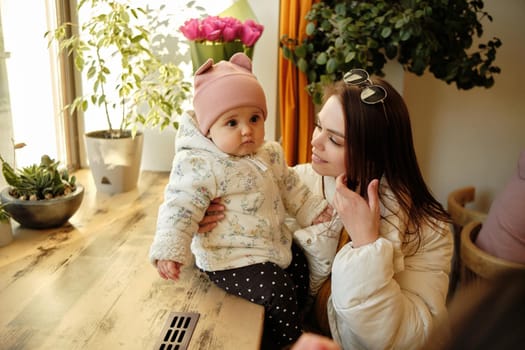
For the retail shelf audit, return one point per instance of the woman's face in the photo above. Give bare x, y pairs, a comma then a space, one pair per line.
328, 139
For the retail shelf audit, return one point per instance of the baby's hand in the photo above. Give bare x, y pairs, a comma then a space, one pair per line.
325, 216
169, 269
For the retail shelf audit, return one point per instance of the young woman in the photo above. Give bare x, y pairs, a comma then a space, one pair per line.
389, 282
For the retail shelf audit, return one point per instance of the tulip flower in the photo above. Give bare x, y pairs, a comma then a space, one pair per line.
222, 29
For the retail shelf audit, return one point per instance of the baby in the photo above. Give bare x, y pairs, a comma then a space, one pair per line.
221, 152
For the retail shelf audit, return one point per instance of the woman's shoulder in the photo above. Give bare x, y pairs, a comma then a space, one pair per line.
313, 180
307, 173
271, 150
305, 168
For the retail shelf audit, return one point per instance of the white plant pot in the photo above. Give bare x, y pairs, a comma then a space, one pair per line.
6, 233
114, 163
159, 149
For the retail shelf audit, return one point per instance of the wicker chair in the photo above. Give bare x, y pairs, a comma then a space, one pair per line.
478, 264
461, 216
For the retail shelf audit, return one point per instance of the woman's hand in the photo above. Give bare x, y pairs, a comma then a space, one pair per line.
213, 215
169, 269
325, 216
311, 341
360, 218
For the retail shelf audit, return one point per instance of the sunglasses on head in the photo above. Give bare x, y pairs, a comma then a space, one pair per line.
370, 93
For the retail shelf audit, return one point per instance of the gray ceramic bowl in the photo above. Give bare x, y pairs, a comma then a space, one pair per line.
43, 213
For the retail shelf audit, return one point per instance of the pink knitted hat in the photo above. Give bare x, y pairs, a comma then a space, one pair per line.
223, 86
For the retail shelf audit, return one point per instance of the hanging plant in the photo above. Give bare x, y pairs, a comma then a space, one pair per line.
421, 35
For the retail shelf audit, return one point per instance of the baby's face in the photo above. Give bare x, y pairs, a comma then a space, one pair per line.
239, 131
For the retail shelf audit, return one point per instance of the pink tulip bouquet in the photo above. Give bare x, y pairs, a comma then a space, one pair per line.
220, 37
222, 29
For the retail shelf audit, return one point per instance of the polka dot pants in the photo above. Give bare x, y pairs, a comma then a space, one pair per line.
282, 293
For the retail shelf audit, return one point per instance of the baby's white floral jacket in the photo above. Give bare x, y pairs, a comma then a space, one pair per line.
258, 191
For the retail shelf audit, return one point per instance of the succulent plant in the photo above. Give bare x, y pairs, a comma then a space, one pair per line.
4, 215
38, 182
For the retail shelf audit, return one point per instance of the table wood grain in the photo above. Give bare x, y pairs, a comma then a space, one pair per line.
89, 284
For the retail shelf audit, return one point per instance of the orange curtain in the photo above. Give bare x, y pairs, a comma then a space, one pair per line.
295, 105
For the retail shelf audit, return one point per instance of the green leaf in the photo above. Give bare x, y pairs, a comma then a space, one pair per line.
405, 34
350, 56
321, 59
385, 33
300, 51
310, 28
302, 65
331, 65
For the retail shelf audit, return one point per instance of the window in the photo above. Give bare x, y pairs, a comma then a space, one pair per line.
29, 80
32, 78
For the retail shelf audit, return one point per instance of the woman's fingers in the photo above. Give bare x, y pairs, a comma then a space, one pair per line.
205, 227
325, 216
209, 221
373, 196
215, 208
360, 217
340, 181
212, 216
311, 341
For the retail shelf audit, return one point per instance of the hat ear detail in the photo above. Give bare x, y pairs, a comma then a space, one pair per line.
242, 60
205, 66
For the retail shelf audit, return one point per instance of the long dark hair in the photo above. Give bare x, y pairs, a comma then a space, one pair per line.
379, 143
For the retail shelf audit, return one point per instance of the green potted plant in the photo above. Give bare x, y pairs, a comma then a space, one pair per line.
6, 232
4, 215
40, 195
140, 91
420, 35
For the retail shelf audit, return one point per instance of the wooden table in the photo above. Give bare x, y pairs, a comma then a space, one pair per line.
89, 284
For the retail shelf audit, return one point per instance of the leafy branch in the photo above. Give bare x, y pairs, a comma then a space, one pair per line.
422, 35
